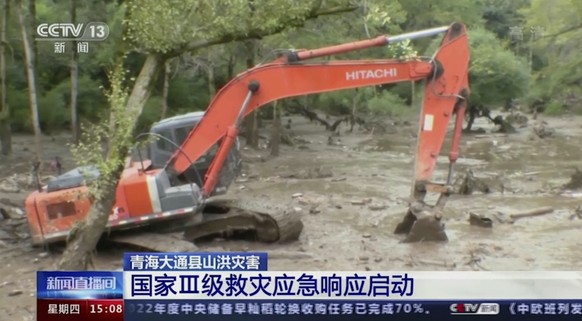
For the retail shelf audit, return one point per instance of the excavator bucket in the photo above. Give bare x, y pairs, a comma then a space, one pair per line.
422, 224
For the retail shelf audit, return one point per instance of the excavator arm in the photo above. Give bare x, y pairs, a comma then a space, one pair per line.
445, 94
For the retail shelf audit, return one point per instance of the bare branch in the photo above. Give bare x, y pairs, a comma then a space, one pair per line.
562, 32
257, 34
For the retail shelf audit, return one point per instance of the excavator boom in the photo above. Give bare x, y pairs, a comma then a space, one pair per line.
446, 86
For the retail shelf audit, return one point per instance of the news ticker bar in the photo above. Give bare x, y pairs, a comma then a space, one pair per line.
187, 310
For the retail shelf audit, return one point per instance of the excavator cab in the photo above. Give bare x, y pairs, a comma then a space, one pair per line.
170, 133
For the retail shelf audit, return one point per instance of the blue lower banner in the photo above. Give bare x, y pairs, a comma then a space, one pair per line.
241, 310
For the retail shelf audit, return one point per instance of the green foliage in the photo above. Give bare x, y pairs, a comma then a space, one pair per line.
389, 104
53, 110
496, 74
151, 113
428, 14
19, 110
336, 103
558, 82
104, 144
188, 94
502, 15
165, 26
553, 108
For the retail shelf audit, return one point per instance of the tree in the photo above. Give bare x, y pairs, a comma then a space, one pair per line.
252, 126
166, 89
5, 133
90, 151
196, 25
496, 74
74, 80
31, 75
557, 82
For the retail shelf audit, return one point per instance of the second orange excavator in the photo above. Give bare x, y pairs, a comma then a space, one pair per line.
202, 158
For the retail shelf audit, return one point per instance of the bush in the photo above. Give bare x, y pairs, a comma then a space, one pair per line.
19, 110
151, 113
553, 108
388, 104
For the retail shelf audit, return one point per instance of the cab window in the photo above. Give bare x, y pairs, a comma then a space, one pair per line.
181, 134
163, 144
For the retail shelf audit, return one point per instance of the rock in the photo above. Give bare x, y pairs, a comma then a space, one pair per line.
9, 212
6, 187
297, 209
361, 202
15, 293
542, 130
5, 235
575, 181
296, 195
377, 207
367, 236
5, 283
302, 201
314, 210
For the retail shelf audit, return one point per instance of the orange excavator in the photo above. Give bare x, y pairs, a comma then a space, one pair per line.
201, 150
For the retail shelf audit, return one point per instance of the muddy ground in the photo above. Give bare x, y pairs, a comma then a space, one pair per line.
523, 170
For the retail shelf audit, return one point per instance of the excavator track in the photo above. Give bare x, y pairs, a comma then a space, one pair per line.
270, 224
220, 217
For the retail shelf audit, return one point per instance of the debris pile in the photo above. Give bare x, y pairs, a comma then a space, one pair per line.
575, 181
517, 119
542, 130
468, 184
13, 227
19, 182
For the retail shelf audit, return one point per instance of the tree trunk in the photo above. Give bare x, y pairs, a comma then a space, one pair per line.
167, 74
211, 80
413, 93
276, 130
231, 65
32, 22
251, 121
83, 241
74, 80
5, 132
29, 56
354, 106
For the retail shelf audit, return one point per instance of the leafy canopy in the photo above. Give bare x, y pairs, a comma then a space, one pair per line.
496, 74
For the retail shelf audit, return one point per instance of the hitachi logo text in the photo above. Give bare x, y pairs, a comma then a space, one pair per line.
371, 74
